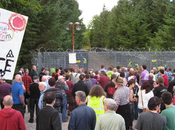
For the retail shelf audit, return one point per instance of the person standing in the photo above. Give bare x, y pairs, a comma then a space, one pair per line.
70, 98
33, 72
160, 89
95, 100
110, 88
102, 69
144, 74
83, 117
103, 80
121, 96
42, 73
60, 94
21, 71
151, 120
34, 97
88, 82
42, 88
18, 95
144, 95
165, 77
61, 84
80, 86
5, 89
48, 118
10, 119
169, 112
27, 81
110, 120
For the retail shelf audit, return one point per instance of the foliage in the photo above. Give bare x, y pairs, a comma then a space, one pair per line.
135, 24
46, 25
131, 24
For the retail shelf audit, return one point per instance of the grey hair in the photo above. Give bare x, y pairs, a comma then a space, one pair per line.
43, 84
46, 72
81, 95
110, 103
8, 100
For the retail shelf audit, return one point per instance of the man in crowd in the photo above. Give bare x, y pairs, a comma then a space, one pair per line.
83, 117
151, 120
33, 72
48, 118
27, 81
80, 86
61, 84
42, 88
18, 95
5, 89
42, 73
169, 112
21, 71
88, 82
110, 120
10, 119
121, 96
103, 80
34, 97
151, 81
102, 69
59, 97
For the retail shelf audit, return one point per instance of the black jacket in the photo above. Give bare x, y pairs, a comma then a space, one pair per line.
48, 119
59, 98
80, 86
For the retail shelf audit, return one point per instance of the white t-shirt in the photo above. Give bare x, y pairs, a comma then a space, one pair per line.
145, 97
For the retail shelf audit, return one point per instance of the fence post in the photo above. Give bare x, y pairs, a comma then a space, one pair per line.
39, 62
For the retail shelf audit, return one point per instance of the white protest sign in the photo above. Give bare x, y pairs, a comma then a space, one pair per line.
72, 58
12, 28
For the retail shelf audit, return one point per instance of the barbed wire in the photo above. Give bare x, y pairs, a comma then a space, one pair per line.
99, 49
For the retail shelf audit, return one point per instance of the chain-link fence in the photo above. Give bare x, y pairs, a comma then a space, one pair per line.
95, 58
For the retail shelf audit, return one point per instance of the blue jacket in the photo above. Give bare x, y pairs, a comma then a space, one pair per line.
82, 118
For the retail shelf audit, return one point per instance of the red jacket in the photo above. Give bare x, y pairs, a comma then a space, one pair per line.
165, 80
11, 119
103, 80
27, 81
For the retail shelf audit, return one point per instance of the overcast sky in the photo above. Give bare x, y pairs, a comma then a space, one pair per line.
92, 7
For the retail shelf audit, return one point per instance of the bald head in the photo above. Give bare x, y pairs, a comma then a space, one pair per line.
44, 78
150, 76
18, 78
8, 101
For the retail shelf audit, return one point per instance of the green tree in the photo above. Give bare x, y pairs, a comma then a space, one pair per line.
31, 9
98, 29
165, 37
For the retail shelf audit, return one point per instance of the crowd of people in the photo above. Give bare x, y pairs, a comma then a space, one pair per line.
106, 99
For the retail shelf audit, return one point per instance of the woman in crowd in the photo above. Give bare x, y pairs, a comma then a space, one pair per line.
95, 100
144, 95
132, 99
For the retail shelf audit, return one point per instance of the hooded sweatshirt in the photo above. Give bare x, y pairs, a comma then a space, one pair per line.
11, 119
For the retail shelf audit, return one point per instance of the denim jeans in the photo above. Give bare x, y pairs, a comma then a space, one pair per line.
60, 115
64, 117
132, 111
